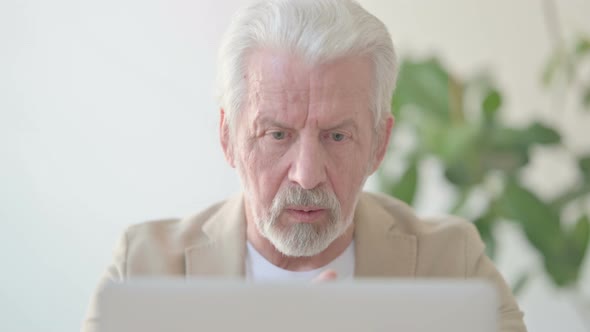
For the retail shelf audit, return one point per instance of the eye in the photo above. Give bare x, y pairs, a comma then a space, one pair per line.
337, 137
279, 135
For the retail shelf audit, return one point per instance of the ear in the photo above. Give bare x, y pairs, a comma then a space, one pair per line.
225, 138
383, 141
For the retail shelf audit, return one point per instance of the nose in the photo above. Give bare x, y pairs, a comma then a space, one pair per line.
308, 169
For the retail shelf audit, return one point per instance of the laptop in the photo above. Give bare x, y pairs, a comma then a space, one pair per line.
185, 305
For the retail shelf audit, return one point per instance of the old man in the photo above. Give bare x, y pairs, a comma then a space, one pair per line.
305, 91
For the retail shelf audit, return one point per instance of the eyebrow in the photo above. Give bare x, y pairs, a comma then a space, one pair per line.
265, 120
346, 123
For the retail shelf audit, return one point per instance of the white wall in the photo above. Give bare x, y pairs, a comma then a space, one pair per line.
108, 117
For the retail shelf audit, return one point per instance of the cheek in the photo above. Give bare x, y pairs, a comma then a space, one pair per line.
350, 162
348, 173
261, 171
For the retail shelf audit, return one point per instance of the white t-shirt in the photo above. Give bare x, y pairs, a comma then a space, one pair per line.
259, 269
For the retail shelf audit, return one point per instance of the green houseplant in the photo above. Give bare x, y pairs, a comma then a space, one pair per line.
456, 122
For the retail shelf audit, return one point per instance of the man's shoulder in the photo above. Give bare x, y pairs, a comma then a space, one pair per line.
159, 247
446, 246
172, 232
405, 220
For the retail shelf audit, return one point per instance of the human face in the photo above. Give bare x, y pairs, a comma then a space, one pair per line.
303, 145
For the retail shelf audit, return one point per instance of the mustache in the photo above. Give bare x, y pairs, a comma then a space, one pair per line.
295, 195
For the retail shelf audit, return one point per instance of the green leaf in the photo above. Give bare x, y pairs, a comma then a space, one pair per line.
507, 149
560, 269
484, 225
425, 85
456, 142
580, 236
539, 222
491, 104
582, 47
405, 188
536, 133
563, 252
465, 173
431, 131
584, 164
564, 266
458, 175
540, 134
508, 159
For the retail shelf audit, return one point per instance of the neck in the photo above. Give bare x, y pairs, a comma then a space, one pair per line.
270, 253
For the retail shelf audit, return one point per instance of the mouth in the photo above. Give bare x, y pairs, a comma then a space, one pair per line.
305, 214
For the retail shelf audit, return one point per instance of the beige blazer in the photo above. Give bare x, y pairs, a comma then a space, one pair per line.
390, 241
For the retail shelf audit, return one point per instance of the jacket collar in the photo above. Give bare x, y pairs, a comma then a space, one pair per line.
221, 252
381, 249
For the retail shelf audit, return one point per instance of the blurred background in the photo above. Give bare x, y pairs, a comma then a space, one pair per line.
108, 117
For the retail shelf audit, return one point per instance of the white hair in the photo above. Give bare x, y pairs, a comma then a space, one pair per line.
319, 31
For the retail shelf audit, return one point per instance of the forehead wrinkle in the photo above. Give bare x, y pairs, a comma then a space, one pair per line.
281, 108
289, 90
337, 101
279, 99
283, 103
268, 88
275, 72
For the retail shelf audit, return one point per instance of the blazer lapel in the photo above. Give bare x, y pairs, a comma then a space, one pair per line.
221, 252
381, 249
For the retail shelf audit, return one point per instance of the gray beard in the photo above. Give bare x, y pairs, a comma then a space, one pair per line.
302, 239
